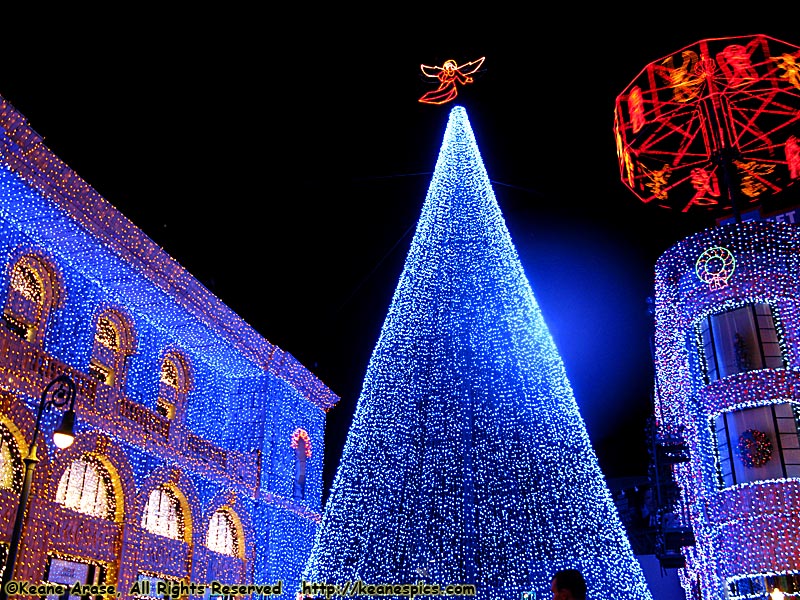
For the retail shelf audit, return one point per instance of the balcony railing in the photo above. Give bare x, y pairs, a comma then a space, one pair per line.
205, 450
29, 369
20, 357
151, 422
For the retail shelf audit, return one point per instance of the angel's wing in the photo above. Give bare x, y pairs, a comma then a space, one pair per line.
430, 71
472, 66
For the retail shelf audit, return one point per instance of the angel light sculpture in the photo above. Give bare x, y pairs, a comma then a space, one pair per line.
449, 75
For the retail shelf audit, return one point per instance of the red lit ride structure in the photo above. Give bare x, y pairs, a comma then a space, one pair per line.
715, 125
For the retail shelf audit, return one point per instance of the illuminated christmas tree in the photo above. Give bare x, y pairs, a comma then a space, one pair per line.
467, 461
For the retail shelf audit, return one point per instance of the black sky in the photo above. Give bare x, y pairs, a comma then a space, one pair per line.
283, 160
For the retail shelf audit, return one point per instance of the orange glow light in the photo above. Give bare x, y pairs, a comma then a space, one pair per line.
449, 74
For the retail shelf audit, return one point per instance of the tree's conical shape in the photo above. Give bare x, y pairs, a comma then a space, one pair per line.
467, 461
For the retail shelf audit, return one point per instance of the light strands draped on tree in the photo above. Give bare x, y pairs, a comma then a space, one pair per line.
468, 461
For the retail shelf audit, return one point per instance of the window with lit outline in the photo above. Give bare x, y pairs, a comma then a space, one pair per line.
11, 466
743, 338
757, 443
301, 443
223, 536
85, 487
113, 343
33, 292
174, 383
163, 513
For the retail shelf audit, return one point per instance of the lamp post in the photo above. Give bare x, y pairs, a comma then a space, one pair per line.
59, 392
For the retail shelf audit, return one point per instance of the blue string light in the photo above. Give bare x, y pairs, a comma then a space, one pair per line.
467, 461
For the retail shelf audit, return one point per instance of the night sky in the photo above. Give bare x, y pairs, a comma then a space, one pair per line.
284, 160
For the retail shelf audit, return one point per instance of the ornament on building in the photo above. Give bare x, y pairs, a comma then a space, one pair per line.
754, 448
715, 266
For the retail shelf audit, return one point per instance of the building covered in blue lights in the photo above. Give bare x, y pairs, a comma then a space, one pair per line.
468, 463
199, 447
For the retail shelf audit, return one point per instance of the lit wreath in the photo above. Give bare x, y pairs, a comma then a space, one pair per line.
715, 266
754, 448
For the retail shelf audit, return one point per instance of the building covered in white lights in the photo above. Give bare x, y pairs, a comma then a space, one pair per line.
198, 454
727, 303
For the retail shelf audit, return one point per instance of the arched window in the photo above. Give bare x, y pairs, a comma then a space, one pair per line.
169, 373
85, 487
302, 451
32, 292
10, 461
113, 344
163, 514
222, 536
173, 386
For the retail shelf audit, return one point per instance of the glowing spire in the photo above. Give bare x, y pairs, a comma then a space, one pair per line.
467, 461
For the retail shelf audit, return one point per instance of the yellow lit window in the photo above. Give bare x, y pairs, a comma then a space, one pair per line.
162, 514
85, 487
169, 373
107, 333
26, 281
221, 534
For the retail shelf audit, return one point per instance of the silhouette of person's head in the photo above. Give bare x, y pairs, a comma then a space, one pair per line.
568, 584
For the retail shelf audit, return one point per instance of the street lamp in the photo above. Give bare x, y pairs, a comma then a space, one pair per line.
59, 392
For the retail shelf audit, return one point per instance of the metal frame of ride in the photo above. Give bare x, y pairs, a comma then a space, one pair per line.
714, 126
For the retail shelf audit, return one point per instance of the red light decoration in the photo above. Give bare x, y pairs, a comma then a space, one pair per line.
713, 125
449, 74
754, 448
299, 434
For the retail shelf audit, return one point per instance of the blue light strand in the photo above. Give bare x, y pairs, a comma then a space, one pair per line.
467, 461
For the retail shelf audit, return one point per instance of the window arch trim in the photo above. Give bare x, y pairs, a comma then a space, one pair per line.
234, 525
28, 317
183, 514
91, 470
108, 363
